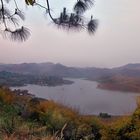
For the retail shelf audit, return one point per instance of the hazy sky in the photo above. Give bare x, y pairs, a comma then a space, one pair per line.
116, 42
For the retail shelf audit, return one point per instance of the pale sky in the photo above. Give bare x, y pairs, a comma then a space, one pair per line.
116, 42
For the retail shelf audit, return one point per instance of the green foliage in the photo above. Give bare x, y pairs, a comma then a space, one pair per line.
9, 119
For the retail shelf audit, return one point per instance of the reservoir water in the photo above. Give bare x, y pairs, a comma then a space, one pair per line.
86, 97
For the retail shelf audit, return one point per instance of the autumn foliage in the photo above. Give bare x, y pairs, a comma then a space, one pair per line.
29, 118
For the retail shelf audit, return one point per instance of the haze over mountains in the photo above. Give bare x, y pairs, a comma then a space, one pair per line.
52, 69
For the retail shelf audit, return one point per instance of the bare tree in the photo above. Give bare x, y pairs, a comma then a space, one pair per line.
9, 20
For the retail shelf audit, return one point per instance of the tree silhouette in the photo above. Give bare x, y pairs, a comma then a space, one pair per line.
9, 20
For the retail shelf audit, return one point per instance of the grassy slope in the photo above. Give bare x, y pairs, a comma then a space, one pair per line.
25, 117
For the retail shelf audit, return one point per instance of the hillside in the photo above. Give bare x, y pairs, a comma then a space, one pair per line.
120, 83
16, 79
25, 117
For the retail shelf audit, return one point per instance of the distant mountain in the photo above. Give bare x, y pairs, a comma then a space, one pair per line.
135, 66
60, 70
132, 70
54, 70
124, 78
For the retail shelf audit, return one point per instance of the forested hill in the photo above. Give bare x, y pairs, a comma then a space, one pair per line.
16, 79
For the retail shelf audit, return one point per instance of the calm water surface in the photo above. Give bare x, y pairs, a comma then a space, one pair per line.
86, 97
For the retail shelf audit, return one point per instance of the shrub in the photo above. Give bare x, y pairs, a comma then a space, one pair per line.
9, 119
104, 115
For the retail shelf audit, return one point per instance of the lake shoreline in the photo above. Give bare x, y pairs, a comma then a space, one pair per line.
25, 93
113, 87
86, 97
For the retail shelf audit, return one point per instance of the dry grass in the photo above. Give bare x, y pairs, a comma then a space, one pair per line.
138, 101
27, 135
12, 137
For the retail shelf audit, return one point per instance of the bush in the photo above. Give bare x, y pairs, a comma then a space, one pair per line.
9, 119
104, 115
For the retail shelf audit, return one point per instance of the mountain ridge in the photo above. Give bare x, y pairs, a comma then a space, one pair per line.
58, 69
